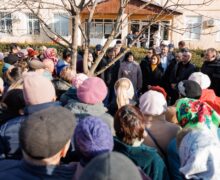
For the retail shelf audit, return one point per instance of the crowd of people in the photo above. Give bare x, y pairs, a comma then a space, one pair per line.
155, 120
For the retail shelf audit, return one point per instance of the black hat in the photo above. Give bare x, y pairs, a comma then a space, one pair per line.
111, 166
46, 132
190, 89
11, 59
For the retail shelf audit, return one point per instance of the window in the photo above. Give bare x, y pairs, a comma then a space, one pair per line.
101, 28
61, 24
193, 27
33, 25
5, 22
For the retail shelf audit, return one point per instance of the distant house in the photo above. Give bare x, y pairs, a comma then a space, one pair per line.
198, 26
25, 27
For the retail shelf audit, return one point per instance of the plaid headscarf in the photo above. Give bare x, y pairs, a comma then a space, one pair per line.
194, 113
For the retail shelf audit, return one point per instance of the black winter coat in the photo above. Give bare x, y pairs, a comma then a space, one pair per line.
150, 77
212, 69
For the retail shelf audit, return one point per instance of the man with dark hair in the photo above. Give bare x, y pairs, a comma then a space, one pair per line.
211, 67
44, 140
182, 46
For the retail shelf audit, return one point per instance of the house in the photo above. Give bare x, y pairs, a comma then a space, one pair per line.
23, 26
199, 26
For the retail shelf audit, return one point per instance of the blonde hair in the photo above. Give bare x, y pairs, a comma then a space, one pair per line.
124, 91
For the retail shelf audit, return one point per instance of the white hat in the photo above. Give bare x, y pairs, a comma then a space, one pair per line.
202, 79
153, 103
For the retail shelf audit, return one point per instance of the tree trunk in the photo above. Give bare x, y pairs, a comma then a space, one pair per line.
75, 21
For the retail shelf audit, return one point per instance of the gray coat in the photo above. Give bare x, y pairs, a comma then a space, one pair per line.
82, 110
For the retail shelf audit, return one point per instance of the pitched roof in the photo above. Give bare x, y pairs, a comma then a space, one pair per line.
112, 7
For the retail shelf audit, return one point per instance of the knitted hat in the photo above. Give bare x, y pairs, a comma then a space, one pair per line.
46, 132
48, 63
93, 137
153, 103
92, 91
194, 113
78, 80
36, 64
37, 89
202, 79
190, 89
111, 166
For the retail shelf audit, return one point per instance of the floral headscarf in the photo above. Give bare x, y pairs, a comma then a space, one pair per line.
194, 113
51, 53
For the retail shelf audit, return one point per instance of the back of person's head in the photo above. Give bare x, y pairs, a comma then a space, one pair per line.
13, 75
124, 91
198, 152
38, 89
111, 166
129, 124
189, 89
92, 91
192, 113
67, 74
14, 101
35, 64
181, 44
47, 133
202, 79
153, 103
92, 137
67, 53
13, 47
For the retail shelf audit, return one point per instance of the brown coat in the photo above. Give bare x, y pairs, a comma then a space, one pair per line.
162, 130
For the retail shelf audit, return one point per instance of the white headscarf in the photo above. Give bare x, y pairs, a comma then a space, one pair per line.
199, 154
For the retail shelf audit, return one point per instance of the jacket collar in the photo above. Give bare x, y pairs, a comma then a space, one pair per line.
49, 170
34, 108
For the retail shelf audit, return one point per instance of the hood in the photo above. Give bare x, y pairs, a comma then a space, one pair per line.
82, 109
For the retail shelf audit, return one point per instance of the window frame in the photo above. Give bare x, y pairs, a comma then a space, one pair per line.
193, 26
58, 20
6, 17
32, 19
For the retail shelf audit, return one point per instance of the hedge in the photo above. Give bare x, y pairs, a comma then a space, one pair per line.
139, 53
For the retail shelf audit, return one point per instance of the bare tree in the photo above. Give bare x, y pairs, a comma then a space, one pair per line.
74, 9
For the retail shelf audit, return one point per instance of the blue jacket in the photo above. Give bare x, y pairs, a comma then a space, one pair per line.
9, 139
16, 170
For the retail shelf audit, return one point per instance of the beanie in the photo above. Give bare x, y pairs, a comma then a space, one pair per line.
92, 137
202, 79
37, 89
78, 80
153, 103
92, 91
